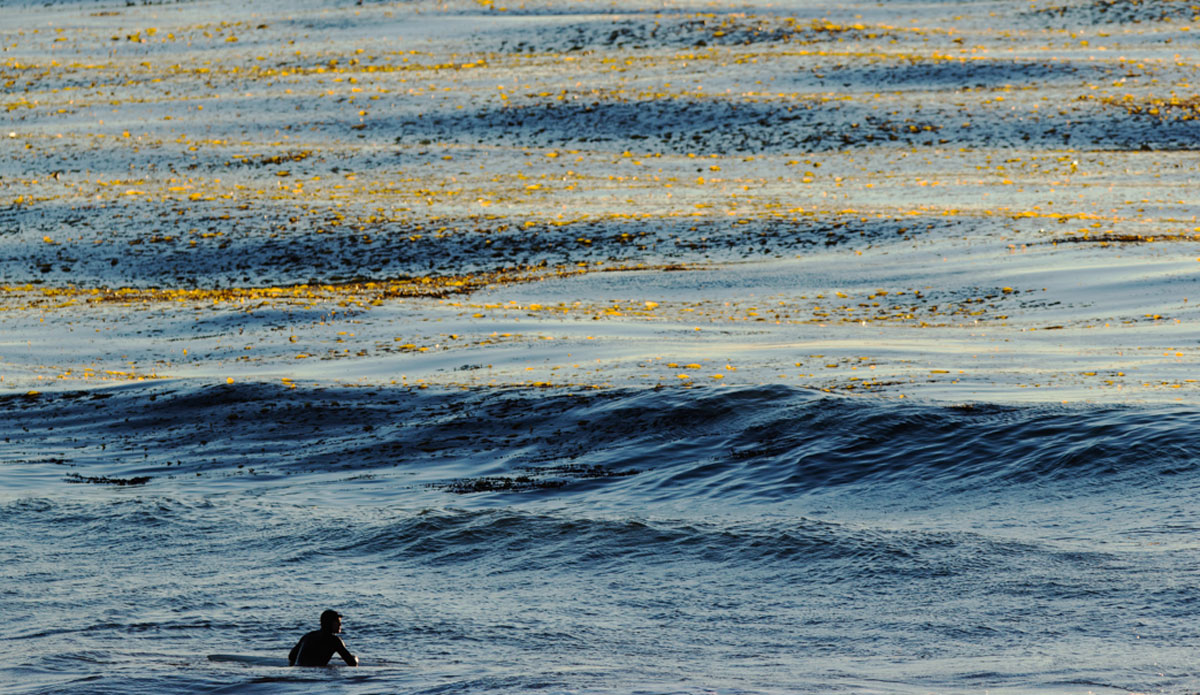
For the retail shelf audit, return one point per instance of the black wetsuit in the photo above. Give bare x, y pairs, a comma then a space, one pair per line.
317, 648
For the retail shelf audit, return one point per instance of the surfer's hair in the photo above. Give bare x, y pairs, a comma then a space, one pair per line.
328, 619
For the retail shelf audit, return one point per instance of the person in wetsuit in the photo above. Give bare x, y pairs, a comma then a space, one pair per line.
318, 646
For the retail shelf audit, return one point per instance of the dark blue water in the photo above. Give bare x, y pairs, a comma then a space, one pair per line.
730, 540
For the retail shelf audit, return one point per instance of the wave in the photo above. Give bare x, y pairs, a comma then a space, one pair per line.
730, 445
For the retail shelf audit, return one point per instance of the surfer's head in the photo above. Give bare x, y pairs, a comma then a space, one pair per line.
331, 621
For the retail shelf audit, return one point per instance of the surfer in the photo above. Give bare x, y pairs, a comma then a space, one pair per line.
318, 646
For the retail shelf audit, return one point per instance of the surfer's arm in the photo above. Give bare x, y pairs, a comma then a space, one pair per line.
292, 654
349, 658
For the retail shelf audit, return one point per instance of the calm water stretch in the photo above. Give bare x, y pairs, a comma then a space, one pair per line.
580, 346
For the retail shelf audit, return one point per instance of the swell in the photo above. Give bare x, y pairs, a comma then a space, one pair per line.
732, 445
509, 540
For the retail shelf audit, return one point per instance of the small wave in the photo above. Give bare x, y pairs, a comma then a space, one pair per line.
511, 540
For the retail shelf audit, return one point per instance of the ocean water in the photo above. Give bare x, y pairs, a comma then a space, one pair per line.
601, 347
745, 540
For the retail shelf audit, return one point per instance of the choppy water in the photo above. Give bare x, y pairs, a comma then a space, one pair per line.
581, 347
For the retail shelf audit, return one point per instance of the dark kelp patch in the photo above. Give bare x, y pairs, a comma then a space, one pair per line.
105, 480
533, 479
